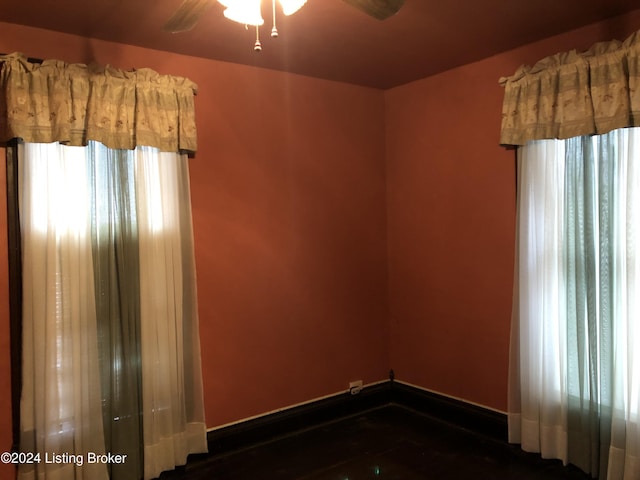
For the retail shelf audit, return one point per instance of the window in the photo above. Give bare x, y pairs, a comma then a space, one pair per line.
110, 350
578, 301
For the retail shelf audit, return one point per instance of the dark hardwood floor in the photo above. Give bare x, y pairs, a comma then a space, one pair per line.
389, 442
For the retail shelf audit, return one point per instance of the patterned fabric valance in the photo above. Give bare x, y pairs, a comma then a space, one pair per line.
74, 103
572, 94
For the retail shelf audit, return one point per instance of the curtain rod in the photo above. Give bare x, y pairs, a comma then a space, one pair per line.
29, 59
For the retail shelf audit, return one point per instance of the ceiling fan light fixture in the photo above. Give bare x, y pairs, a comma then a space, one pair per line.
289, 7
246, 12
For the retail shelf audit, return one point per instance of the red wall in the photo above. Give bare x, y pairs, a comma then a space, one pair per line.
288, 193
451, 216
294, 185
451, 210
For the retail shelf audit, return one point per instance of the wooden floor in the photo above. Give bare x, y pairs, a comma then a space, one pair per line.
387, 443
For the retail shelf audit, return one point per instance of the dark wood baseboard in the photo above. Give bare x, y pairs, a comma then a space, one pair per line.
389, 394
455, 412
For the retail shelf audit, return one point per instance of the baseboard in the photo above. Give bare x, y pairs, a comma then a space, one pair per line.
295, 419
387, 394
456, 412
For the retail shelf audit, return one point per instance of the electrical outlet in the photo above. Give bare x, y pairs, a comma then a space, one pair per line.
355, 387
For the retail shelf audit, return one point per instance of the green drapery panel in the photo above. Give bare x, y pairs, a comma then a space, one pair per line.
74, 103
585, 333
571, 94
114, 235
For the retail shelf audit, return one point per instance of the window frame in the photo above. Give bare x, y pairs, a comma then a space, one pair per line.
15, 287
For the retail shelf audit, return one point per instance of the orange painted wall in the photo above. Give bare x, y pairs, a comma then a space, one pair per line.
306, 193
451, 217
288, 194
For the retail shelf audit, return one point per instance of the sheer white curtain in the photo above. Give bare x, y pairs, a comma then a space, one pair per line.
70, 373
575, 350
538, 414
170, 343
61, 386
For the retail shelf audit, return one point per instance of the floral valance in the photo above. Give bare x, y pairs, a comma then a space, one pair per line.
74, 103
572, 94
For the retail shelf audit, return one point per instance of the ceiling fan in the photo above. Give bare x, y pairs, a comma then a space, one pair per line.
190, 11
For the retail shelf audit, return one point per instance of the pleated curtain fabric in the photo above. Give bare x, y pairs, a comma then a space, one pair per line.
537, 384
574, 389
72, 104
111, 347
111, 344
172, 397
573, 93
111, 175
61, 418
575, 378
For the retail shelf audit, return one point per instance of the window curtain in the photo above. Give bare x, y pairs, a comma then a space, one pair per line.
574, 389
575, 380
573, 93
73, 103
111, 352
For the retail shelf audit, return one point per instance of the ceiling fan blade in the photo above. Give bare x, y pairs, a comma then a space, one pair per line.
380, 9
187, 15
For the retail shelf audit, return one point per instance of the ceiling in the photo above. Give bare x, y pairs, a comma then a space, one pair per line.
328, 38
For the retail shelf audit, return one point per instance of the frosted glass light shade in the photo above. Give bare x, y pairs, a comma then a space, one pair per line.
246, 12
290, 7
